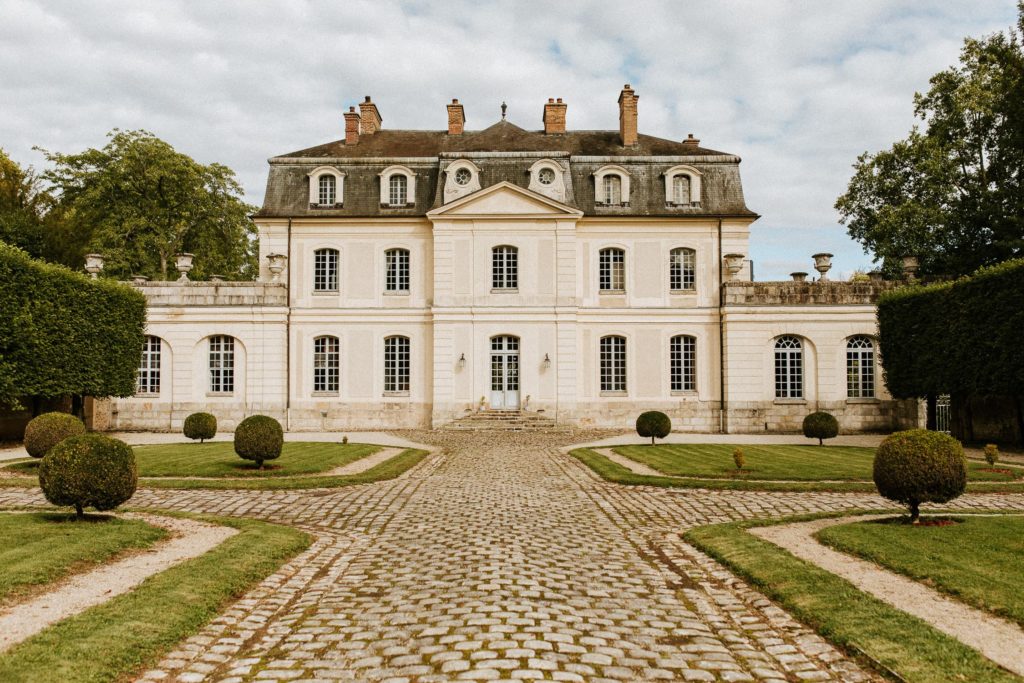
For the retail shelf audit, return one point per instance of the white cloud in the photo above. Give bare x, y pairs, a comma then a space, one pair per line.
798, 89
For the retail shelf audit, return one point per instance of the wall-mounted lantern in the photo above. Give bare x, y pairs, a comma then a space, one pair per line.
461, 363
546, 363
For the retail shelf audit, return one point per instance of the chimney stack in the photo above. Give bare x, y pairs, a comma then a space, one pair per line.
370, 117
351, 126
554, 117
456, 118
627, 116
691, 141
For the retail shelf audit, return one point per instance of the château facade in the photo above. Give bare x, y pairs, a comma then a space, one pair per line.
409, 278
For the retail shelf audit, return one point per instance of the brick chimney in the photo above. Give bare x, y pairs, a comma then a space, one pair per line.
691, 141
554, 117
370, 117
627, 116
456, 118
351, 126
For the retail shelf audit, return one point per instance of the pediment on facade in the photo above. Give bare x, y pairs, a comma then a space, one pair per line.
504, 199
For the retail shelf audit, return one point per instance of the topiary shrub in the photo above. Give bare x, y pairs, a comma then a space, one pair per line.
738, 458
821, 426
89, 470
200, 426
653, 424
259, 438
918, 466
47, 430
991, 454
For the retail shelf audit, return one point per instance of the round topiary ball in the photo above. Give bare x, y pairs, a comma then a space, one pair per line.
821, 426
47, 430
89, 470
653, 424
200, 426
259, 438
918, 466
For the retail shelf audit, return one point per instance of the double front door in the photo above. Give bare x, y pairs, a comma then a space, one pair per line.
505, 373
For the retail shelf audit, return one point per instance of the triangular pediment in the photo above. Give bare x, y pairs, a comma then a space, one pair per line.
504, 199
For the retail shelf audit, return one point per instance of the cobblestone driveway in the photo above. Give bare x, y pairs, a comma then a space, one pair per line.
501, 557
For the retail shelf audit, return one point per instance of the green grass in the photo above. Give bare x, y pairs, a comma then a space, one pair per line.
113, 641
972, 561
853, 620
40, 548
796, 463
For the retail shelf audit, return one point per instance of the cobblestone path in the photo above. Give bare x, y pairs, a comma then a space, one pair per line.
502, 558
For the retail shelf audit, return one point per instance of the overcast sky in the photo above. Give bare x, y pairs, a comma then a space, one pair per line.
797, 89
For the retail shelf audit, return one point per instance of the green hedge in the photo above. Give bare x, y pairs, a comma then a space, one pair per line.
960, 337
64, 334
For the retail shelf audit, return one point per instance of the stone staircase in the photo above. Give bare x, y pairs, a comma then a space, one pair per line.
506, 421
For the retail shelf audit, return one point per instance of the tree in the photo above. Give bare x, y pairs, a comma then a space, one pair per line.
952, 192
139, 202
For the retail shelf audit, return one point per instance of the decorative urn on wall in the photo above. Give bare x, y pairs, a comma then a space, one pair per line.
799, 276
183, 262
733, 265
910, 266
93, 264
276, 266
823, 264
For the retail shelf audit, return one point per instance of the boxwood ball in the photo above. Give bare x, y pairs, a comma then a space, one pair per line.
89, 470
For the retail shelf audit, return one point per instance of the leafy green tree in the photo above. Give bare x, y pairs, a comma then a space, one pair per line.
23, 206
952, 192
138, 201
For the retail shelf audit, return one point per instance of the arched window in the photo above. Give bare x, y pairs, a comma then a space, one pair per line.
396, 274
222, 364
682, 186
681, 189
325, 270
611, 190
613, 363
396, 365
327, 184
789, 368
397, 190
682, 274
612, 270
860, 367
683, 363
148, 380
326, 361
504, 267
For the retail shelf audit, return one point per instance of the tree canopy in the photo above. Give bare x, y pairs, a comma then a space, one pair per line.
952, 192
138, 202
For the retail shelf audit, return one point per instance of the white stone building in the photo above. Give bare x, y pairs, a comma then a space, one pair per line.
409, 278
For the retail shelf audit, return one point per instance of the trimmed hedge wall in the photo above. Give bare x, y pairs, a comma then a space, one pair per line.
64, 334
962, 337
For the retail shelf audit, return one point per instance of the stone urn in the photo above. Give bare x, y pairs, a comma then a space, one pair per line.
911, 264
183, 262
139, 279
733, 265
93, 264
799, 277
822, 264
276, 263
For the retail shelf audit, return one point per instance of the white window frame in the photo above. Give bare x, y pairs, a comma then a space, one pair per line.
326, 270
314, 187
326, 365
397, 365
788, 366
612, 356
147, 381
695, 185
683, 363
682, 269
221, 364
860, 367
397, 270
607, 277
385, 186
505, 268
599, 190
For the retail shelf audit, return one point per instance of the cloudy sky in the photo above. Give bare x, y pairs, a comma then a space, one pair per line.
798, 89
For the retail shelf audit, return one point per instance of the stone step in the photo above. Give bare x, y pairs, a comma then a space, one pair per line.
506, 420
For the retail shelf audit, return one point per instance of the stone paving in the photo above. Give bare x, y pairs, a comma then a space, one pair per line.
501, 557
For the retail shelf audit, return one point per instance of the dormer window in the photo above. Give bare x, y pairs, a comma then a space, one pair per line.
397, 187
326, 188
682, 186
545, 176
611, 186
462, 177
548, 178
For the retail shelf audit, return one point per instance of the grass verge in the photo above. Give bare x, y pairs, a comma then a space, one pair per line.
112, 641
855, 621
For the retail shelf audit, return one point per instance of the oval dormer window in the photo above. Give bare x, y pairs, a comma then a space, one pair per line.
463, 176
546, 176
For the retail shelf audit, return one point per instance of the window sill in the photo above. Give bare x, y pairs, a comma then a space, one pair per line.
397, 206
504, 290
614, 393
325, 292
689, 393
790, 401
326, 206
397, 292
220, 394
396, 394
149, 396
612, 292
325, 394
866, 400
682, 292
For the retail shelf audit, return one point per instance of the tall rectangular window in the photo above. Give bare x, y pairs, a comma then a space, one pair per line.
612, 189
789, 368
683, 363
860, 368
612, 270
222, 364
327, 185
505, 268
682, 273
397, 194
396, 276
148, 380
681, 190
396, 364
325, 365
325, 270
613, 364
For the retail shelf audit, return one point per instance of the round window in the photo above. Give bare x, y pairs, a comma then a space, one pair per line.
463, 176
546, 176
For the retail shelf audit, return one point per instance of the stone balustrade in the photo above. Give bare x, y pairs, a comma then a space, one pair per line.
213, 293
821, 293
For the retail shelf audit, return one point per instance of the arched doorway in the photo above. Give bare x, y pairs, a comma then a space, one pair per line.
505, 372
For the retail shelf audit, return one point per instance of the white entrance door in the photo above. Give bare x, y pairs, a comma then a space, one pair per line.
505, 373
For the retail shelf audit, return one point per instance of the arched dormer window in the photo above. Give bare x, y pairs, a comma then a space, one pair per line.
326, 188
462, 177
682, 270
682, 186
789, 367
397, 187
611, 186
547, 178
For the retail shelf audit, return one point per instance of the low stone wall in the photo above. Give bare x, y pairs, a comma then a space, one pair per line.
853, 416
176, 294
791, 293
358, 416
170, 417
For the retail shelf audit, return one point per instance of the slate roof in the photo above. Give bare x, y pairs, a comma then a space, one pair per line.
427, 153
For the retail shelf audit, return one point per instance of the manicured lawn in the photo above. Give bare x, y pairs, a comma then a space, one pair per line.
795, 463
855, 621
976, 561
115, 640
39, 548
